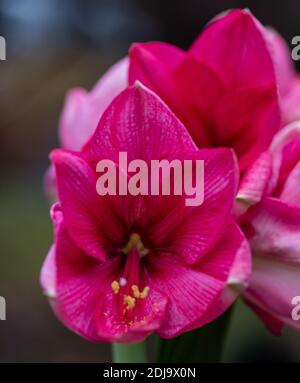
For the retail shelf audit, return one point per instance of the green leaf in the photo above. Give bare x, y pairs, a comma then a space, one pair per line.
202, 345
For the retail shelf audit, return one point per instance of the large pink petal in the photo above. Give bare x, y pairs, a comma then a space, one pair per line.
192, 291
154, 64
139, 123
80, 283
235, 47
237, 280
89, 217
147, 318
205, 92
167, 71
200, 90
275, 279
251, 129
201, 226
87, 304
83, 109
237, 41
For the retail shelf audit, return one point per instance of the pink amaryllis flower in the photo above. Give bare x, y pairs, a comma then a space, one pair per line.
124, 266
223, 88
270, 205
82, 111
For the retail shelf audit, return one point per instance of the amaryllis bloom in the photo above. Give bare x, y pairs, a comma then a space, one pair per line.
82, 111
272, 225
287, 77
124, 266
223, 88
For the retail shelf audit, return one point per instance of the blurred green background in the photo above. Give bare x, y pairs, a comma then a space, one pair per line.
52, 46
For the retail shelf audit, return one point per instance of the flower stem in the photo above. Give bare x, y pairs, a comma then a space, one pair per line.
129, 353
203, 345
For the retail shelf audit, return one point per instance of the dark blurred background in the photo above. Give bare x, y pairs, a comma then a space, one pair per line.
53, 45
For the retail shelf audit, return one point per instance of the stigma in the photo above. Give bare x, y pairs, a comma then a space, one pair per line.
135, 241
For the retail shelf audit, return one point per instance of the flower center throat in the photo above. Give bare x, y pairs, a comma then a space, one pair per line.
127, 288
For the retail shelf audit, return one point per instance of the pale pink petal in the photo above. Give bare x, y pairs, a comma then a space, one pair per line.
290, 192
286, 157
254, 184
272, 287
48, 271
242, 266
290, 103
82, 109
285, 135
283, 63
50, 183
276, 231
48, 274
78, 119
114, 80
235, 47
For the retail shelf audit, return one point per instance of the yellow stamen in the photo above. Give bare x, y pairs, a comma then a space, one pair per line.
140, 294
115, 287
129, 302
145, 292
135, 290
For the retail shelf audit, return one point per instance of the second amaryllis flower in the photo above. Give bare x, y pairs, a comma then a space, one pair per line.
269, 204
125, 266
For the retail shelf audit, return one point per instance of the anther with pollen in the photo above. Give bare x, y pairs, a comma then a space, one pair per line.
127, 287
